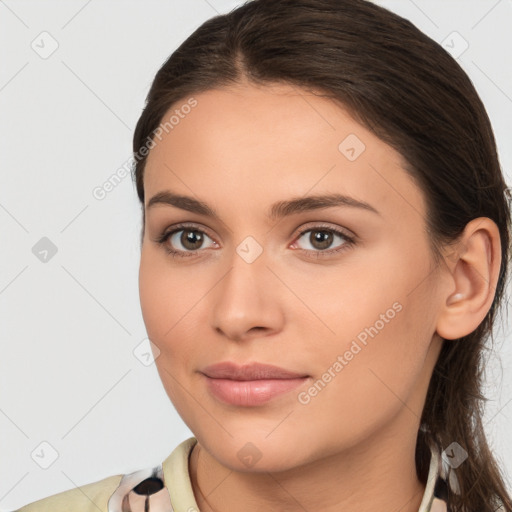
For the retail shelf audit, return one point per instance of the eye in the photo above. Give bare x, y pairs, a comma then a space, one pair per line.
189, 237
322, 237
192, 239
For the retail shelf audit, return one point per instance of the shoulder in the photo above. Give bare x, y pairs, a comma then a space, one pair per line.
90, 497
166, 486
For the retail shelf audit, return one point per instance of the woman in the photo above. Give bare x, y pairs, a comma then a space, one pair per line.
324, 252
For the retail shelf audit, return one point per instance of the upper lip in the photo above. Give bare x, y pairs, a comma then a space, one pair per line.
252, 371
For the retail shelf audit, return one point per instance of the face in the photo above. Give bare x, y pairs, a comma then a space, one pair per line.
344, 293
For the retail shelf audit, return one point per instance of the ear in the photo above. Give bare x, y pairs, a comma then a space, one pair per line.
474, 268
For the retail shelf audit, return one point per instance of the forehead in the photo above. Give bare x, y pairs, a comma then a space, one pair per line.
252, 145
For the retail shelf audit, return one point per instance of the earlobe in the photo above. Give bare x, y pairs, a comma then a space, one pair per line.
474, 274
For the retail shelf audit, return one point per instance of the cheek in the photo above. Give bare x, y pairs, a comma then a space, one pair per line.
162, 308
379, 320
173, 309
167, 297
153, 299
376, 372
367, 290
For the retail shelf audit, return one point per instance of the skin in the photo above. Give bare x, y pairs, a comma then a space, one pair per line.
352, 446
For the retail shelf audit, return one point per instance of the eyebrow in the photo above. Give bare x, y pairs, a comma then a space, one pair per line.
278, 210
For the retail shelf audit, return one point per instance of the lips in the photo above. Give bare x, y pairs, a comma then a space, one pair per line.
253, 371
250, 385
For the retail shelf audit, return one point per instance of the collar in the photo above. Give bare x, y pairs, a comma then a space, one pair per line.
168, 488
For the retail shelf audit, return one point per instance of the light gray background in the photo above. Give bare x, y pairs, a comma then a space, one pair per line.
68, 374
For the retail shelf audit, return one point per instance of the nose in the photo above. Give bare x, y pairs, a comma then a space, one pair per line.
248, 300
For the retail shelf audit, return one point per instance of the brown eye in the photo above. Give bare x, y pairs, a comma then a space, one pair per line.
321, 238
191, 239
184, 240
187, 239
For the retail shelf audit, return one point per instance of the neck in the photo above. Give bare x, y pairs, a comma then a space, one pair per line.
376, 475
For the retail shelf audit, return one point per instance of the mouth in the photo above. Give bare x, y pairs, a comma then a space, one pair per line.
252, 371
250, 385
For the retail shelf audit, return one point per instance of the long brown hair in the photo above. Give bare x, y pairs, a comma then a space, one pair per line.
415, 97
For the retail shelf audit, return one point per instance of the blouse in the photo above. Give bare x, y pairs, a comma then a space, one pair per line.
167, 488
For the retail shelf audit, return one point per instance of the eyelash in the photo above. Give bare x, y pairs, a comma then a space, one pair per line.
349, 241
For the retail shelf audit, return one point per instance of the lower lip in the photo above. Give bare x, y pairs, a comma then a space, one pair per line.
251, 392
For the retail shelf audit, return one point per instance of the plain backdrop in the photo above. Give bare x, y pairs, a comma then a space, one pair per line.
78, 399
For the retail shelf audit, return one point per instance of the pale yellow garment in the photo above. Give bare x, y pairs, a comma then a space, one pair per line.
94, 497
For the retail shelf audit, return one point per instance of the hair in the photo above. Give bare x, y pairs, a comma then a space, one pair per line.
404, 87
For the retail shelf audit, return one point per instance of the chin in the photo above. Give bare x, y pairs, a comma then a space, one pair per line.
253, 453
